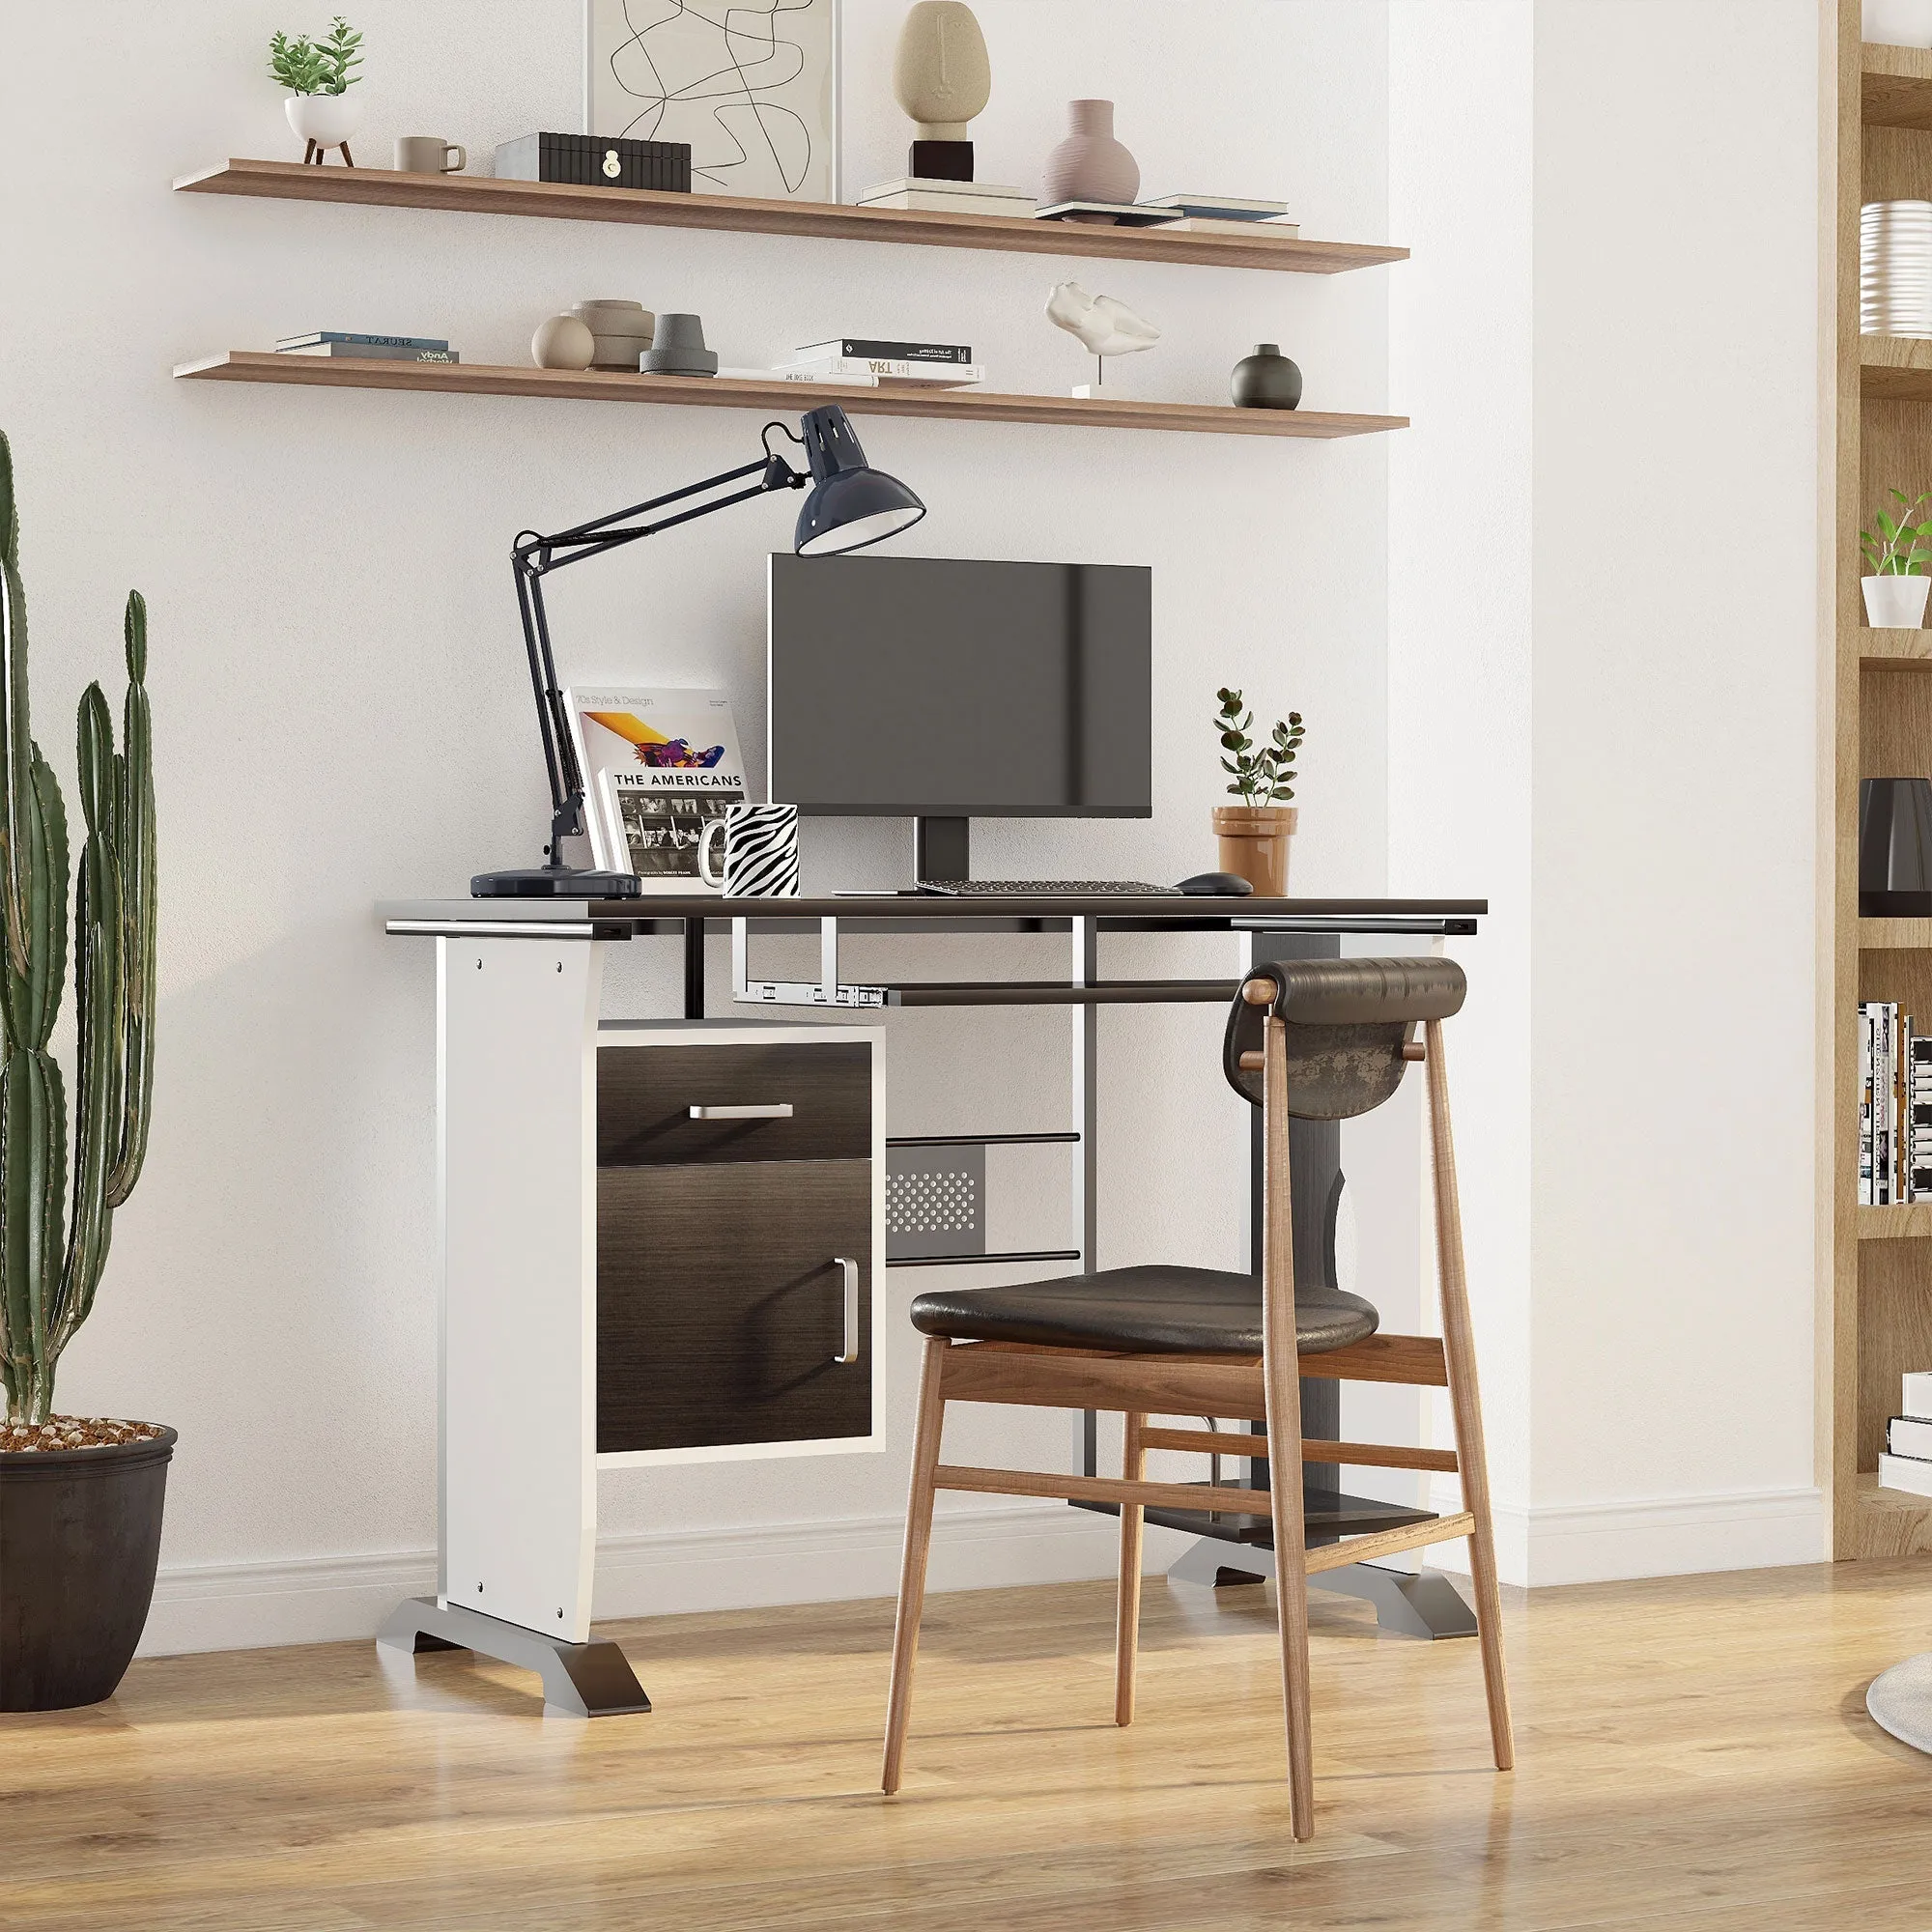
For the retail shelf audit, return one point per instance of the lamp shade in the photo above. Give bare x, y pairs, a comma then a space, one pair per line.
1895, 848
851, 503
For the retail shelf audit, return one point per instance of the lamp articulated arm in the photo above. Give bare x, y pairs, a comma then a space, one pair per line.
851, 505
533, 557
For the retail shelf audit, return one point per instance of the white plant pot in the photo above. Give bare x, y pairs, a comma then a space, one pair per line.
1896, 603
1898, 24
330, 119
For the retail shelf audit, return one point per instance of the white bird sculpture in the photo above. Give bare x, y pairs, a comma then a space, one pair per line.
1107, 327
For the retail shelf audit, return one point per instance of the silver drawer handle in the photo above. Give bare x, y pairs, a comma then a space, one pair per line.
778, 1110
851, 1268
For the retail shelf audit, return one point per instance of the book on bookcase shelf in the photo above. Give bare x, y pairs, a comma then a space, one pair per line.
1906, 1462
1894, 1107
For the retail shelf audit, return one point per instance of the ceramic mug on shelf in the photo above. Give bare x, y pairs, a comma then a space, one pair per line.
429, 155
760, 852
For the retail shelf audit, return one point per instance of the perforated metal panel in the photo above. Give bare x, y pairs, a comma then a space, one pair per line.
935, 1201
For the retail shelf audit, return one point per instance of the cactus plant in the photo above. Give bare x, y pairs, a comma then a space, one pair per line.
54, 1227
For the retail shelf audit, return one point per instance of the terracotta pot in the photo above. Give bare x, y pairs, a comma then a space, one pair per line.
80, 1534
1254, 845
1090, 164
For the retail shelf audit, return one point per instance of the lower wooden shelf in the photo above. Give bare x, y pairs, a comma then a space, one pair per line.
600, 385
1891, 1522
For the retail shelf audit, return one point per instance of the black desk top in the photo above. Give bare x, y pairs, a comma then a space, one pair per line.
913, 912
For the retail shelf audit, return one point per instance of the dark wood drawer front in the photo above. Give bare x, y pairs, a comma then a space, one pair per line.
720, 1307
645, 1094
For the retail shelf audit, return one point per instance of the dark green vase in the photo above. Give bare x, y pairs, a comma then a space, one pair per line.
1266, 379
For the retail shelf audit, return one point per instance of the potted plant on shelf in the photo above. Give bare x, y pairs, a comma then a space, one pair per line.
1254, 835
1897, 554
317, 74
80, 1498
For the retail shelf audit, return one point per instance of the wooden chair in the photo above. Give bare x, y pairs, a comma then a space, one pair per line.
1318, 1040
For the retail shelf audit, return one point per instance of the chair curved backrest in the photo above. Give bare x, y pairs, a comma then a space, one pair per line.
1346, 1022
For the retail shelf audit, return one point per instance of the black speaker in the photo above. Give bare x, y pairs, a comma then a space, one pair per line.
1895, 848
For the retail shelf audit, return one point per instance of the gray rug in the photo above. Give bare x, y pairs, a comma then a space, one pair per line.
1900, 1701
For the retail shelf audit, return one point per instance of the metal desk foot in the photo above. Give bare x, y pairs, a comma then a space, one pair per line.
584, 1680
1426, 1605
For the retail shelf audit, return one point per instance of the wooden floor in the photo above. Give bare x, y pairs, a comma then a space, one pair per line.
1692, 1753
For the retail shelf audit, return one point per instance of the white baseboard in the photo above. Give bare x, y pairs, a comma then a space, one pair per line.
328, 1599
331, 1599
1660, 1536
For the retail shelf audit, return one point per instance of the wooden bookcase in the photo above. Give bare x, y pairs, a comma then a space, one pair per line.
1876, 1318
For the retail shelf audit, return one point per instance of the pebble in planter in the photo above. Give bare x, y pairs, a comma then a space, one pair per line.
1897, 554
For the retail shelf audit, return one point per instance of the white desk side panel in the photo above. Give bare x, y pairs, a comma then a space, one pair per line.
517, 1166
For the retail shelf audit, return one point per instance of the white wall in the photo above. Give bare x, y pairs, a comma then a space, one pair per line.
1610, 712
340, 713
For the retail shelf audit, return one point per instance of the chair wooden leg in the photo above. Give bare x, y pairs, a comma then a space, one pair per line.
918, 1543
1281, 1371
1127, 1624
1459, 1350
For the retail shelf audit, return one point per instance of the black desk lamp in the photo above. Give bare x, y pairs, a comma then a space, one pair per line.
851, 505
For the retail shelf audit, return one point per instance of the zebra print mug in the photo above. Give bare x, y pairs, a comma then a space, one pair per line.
760, 852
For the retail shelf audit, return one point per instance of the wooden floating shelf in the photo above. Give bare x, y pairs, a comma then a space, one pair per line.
481, 194
1895, 650
600, 385
1897, 368
1897, 1224
1896, 85
1893, 935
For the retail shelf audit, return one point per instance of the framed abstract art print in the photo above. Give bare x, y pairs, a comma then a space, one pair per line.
752, 85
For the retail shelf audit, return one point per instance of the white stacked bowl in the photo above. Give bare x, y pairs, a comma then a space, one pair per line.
1895, 268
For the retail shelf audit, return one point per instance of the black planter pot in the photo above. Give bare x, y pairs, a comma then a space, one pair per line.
80, 1534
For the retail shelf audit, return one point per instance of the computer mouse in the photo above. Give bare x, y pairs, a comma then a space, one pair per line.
1216, 885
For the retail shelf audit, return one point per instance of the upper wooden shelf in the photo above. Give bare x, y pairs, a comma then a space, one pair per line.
1898, 86
1894, 936
1897, 367
480, 379
1896, 1224
481, 194
1894, 649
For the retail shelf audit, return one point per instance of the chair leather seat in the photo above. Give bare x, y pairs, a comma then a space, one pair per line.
1155, 1310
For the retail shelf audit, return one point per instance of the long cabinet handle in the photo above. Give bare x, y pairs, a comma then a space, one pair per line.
775, 1110
851, 1269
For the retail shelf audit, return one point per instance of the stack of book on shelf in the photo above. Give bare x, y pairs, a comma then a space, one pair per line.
872, 362
1226, 215
1907, 1463
1894, 1107
925, 195
335, 342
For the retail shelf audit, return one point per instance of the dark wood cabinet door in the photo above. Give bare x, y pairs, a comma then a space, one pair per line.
721, 1306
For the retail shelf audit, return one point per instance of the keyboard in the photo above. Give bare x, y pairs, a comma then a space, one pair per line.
1047, 888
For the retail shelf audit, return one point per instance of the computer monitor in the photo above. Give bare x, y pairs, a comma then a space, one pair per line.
947, 688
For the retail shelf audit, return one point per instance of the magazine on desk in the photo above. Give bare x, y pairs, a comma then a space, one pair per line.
658, 767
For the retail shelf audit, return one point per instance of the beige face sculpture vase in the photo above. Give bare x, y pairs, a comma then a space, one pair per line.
941, 75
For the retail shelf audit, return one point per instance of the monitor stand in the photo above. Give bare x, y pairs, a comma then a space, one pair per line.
942, 849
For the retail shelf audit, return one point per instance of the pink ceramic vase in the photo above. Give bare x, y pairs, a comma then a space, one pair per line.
1090, 164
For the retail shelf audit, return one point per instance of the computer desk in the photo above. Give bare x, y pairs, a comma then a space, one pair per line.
530, 1033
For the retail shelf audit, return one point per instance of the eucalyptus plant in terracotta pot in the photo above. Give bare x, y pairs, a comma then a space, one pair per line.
81, 1496
1254, 835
